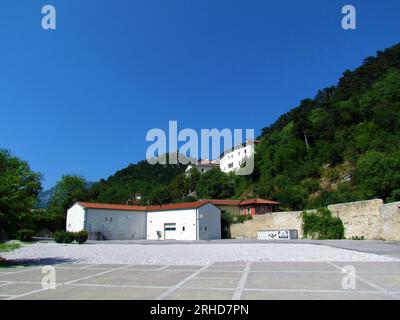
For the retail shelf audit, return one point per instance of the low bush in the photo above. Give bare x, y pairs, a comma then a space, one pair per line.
64, 237
322, 225
25, 235
81, 236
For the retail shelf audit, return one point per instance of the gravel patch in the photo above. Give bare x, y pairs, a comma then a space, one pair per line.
188, 254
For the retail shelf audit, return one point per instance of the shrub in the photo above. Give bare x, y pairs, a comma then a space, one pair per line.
81, 236
64, 237
243, 217
322, 225
25, 235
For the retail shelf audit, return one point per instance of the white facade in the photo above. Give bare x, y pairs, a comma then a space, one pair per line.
107, 224
200, 223
231, 160
76, 217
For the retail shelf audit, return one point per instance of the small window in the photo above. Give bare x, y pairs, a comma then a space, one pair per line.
205, 228
106, 219
183, 228
110, 219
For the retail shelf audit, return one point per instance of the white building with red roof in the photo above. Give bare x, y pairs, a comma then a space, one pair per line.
178, 221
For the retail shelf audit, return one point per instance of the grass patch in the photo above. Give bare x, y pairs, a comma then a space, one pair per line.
7, 247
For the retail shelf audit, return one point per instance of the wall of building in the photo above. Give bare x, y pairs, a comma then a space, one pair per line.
117, 224
234, 210
209, 217
235, 157
275, 220
75, 218
371, 219
185, 220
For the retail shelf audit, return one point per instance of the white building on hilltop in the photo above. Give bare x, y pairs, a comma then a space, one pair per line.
203, 165
232, 159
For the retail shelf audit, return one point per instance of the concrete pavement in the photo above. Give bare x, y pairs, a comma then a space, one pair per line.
220, 280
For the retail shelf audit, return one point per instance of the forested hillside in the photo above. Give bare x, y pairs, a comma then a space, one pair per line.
342, 145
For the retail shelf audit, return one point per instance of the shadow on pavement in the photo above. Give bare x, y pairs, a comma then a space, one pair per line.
34, 262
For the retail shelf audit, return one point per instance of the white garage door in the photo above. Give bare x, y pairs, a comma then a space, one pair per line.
170, 231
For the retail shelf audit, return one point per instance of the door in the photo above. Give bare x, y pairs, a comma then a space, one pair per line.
203, 232
170, 231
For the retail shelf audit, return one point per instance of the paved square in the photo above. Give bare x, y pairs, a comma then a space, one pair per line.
220, 280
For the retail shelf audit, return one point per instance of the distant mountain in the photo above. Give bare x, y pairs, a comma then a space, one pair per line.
45, 196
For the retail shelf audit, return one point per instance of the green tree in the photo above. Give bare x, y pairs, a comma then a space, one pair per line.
69, 189
19, 188
378, 174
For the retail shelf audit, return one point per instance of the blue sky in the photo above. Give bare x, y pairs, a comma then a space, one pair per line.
80, 99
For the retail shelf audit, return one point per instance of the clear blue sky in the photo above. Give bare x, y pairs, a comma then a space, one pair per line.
81, 99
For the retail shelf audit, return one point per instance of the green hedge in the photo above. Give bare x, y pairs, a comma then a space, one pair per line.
68, 237
81, 236
25, 235
64, 237
322, 225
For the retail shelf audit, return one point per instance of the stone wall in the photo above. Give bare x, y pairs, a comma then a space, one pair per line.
371, 219
275, 220
390, 217
361, 218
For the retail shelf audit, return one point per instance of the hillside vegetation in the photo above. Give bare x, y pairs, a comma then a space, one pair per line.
343, 145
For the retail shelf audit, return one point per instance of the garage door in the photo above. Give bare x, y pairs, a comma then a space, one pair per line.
170, 231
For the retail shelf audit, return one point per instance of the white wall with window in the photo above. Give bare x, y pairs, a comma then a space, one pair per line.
231, 160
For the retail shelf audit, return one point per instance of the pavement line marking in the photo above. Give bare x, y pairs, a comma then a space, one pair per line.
6, 295
313, 290
180, 284
115, 285
371, 284
5, 284
215, 278
239, 289
95, 275
90, 265
163, 267
26, 294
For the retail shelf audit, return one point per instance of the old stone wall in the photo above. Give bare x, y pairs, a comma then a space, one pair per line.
390, 217
275, 220
361, 218
370, 219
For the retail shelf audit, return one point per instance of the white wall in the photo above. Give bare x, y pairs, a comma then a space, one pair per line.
183, 218
235, 157
209, 216
120, 224
75, 218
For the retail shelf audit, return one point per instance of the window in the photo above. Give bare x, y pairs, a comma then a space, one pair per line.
230, 165
169, 226
106, 219
183, 228
110, 219
205, 228
248, 210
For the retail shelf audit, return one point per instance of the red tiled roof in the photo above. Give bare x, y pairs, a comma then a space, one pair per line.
175, 206
109, 206
240, 202
223, 202
257, 201
170, 206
